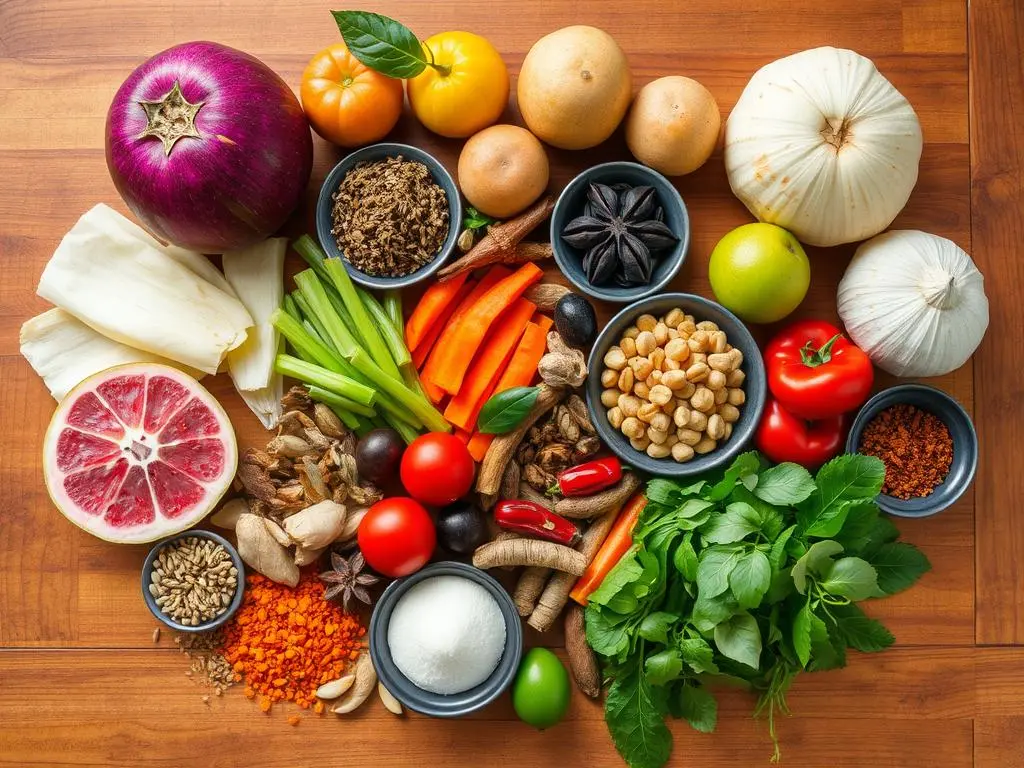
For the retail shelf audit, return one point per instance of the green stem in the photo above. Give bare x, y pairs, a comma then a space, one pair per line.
289, 306
312, 254
305, 345
392, 336
315, 374
408, 433
393, 306
338, 402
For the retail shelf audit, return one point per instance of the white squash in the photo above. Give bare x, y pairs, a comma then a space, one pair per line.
914, 302
823, 145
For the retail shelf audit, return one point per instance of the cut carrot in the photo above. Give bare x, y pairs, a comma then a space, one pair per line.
431, 307
463, 435
492, 277
618, 542
422, 351
489, 364
469, 331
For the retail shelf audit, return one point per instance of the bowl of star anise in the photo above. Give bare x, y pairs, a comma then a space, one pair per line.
620, 231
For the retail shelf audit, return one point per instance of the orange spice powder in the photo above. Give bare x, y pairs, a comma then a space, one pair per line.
287, 642
915, 447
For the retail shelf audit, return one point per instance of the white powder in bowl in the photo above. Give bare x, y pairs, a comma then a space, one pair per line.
446, 634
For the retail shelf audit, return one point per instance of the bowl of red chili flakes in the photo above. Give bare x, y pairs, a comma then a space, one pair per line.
927, 442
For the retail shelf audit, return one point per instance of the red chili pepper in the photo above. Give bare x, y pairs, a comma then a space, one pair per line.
585, 479
534, 520
815, 372
781, 436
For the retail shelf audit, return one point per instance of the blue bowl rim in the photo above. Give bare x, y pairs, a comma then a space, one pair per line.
477, 697
737, 443
948, 408
324, 204
147, 568
625, 295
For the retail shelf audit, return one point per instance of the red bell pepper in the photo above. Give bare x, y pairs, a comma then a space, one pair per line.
588, 478
815, 372
781, 436
532, 519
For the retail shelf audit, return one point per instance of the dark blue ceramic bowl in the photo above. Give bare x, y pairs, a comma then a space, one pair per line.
436, 704
570, 205
373, 152
147, 570
961, 429
755, 386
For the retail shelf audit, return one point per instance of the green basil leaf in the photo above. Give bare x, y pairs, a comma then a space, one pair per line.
698, 707
506, 410
381, 43
739, 639
743, 465
828, 648
708, 612
473, 219
636, 721
861, 527
814, 560
622, 576
898, 566
714, 569
737, 522
844, 479
750, 579
698, 655
784, 485
605, 637
853, 578
664, 667
685, 558
859, 631
802, 634
777, 556
656, 626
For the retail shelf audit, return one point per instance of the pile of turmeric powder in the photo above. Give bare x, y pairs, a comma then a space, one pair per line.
286, 641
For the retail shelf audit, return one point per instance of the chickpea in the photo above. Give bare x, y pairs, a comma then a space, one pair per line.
628, 346
641, 390
641, 366
737, 356
631, 333
677, 350
629, 404
729, 413
671, 365
697, 372
728, 432
673, 334
640, 444
615, 417
654, 378
688, 436
646, 322
721, 361
661, 422
721, 395
674, 317
647, 412
716, 380
682, 452
698, 357
687, 391
671, 440
645, 343
703, 400
661, 333
707, 325
735, 378
615, 359
737, 397
687, 327
707, 445
716, 427
673, 379
632, 428
658, 451
610, 398
656, 435
719, 341
698, 421
670, 407
681, 416
609, 378
660, 394
626, 380
657, 358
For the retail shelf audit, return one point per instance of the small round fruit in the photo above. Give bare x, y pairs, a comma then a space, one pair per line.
541, 690
576, 320
461, 528
437, 469
346, 102
396, 536
502, 170
760, 272
378, 454
673, 125
468, 92
574, 87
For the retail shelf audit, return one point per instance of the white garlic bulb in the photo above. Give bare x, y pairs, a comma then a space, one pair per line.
914, 302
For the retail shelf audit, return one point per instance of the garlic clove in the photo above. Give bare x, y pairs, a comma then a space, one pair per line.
335, 688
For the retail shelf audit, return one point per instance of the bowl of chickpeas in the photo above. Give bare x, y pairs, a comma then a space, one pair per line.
676, 385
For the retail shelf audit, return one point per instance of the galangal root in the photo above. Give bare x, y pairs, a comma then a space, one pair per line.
532, 552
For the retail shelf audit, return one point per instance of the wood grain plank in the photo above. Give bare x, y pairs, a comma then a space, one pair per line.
997, 193
998, 742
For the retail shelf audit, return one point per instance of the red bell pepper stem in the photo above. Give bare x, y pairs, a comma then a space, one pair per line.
532, 519
588, 478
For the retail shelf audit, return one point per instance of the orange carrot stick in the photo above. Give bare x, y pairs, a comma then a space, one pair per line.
618, 542
469, 331
496, 352
422, 351
438, 297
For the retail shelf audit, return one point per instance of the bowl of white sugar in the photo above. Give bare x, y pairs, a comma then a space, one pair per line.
447, 640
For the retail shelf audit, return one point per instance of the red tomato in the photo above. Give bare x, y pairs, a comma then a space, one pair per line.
815, 372
397, 536
781, 436
437, 469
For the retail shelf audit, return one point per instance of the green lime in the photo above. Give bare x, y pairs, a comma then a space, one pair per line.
540, 692
760, 272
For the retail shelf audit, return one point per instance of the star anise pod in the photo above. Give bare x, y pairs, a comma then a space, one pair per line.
347, 579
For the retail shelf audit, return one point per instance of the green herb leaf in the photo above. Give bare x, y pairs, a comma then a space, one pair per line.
844, 479
737, 522
656, 626
635, 721
663, 667
473, 219
853, 578
828, 649
802, 634
778, 554
698, 707
506, 410
784, 485
814, 560
625, 572
859, 527
605, 637
713, 571
381, 43
898, 566
750, 579
740, 639
685, 558
859, 631
708, 612
698, 655
744, 465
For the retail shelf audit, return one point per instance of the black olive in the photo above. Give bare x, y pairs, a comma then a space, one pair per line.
576, 320
461, 528
378, 454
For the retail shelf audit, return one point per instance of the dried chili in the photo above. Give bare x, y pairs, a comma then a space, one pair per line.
915, 447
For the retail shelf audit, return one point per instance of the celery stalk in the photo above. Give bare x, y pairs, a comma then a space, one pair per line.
338, 402
391, 336
308, 348
335, 382
313, 255
309, 316
289, 306
408, 434
393, 306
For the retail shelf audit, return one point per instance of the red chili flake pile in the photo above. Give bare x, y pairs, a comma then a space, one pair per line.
914, 445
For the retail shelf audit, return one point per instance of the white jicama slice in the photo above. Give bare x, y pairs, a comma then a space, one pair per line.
257, 276
133, 292
65, 351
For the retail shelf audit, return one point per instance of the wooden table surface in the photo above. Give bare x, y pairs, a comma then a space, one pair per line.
81, 682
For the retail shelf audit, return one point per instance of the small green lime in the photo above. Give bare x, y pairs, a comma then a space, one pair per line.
540, 692
760, 272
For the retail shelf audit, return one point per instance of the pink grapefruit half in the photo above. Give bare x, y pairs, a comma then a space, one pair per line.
138, 452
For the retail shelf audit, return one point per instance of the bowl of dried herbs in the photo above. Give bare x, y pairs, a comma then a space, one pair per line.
620, 231
391, 213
